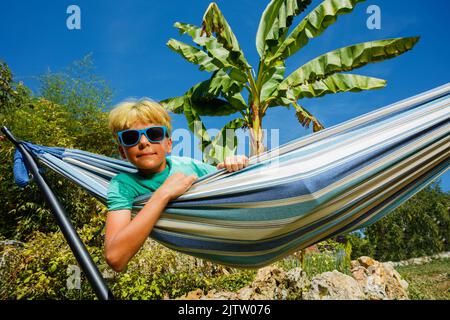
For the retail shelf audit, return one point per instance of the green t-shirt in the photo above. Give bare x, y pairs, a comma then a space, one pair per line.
125, 187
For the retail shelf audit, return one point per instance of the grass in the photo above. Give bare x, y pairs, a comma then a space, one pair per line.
430, 281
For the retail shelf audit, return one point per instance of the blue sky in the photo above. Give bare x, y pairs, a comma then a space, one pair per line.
128, 42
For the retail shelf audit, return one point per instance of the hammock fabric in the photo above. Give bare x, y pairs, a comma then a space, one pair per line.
331, 182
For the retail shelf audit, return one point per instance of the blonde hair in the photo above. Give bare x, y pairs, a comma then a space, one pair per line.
123, 115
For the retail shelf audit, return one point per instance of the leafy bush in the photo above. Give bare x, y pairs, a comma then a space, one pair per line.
419, 227
52, 121
331, 256
325, 256
40, 266
39, 270
85, 98
360, 244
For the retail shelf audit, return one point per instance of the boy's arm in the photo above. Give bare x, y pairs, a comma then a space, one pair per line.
125, 236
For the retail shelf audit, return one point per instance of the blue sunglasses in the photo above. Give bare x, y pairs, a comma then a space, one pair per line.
131, 137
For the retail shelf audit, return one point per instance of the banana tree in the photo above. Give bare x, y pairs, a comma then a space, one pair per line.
217, 51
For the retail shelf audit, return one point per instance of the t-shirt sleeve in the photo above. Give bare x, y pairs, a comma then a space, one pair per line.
119, 196
203, 168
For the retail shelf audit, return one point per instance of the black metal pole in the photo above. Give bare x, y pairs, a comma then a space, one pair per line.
76, 245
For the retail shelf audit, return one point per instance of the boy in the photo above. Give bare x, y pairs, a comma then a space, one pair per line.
143, 129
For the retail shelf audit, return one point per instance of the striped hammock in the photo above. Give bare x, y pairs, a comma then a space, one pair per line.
331, 182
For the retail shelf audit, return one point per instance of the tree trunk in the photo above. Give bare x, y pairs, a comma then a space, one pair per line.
256, 137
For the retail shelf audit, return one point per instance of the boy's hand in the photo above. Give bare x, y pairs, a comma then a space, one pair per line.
233, 163
176, 185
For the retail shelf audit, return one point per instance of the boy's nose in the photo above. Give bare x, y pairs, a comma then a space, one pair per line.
143, 139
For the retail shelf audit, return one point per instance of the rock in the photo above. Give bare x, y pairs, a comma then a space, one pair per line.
268, 285
354, 264
245, 293
359, 274
366, 261
420, 260
404, 284
370, 282
296, 283
211, 295
193, 295
108, 274
437, 256
369, 279
221, 295
334, 286
395, 286
271, 283
379, 281
445, 255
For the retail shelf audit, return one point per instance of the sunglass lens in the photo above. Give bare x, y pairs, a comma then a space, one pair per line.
155, 134
130, 137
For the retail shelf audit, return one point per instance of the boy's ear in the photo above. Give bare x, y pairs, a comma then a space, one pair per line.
169, 145
122, 152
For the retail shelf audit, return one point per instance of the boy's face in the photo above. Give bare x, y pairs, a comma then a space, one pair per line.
147, 156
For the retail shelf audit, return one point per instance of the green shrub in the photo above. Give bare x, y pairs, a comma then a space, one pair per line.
419, 227
332, 256
39, 270
77, 121
360, 244
326, 256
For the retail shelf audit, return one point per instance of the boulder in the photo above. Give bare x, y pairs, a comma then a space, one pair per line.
369, 279
379, 281
334, 286
296, 283
395, 286
192, 295
366, 261
220, 295
271, 283
268, 285
420, 260
443, 255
